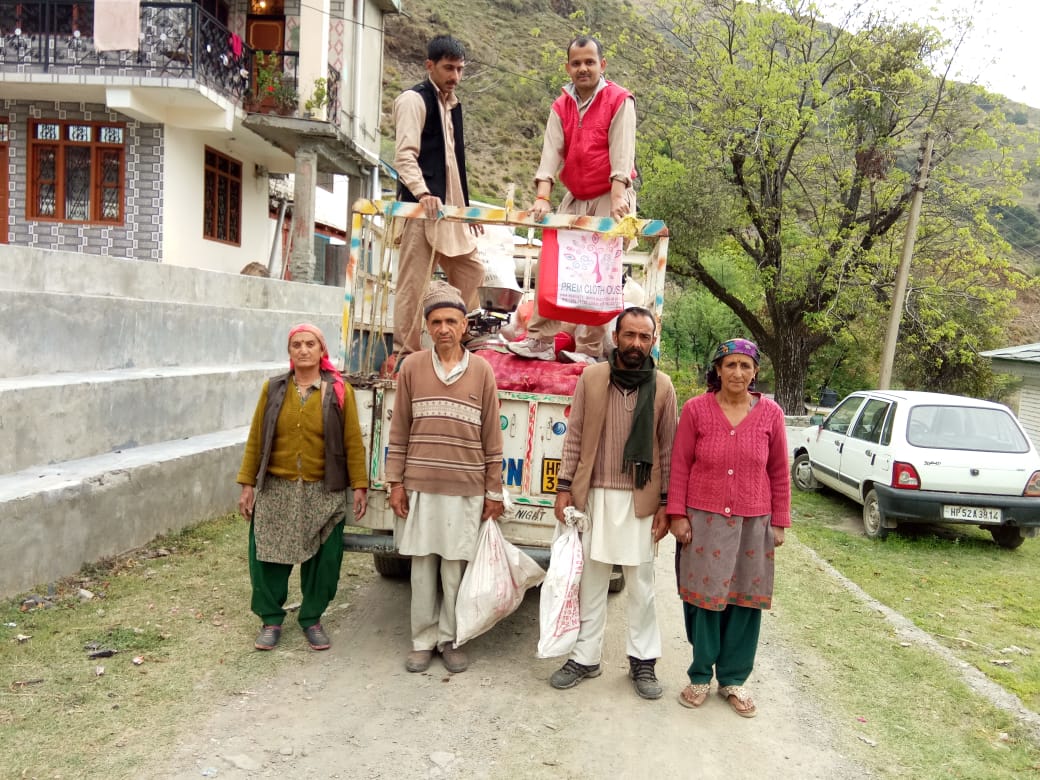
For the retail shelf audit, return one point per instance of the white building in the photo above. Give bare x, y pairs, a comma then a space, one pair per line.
124, 129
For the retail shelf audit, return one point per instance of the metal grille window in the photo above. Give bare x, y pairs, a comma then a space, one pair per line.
222, 207
77, 172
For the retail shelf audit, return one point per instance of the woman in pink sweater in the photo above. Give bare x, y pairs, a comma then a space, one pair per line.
729, 501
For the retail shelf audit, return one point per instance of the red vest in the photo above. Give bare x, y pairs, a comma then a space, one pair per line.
586, 155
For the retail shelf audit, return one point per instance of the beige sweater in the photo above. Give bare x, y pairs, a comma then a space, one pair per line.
445, 439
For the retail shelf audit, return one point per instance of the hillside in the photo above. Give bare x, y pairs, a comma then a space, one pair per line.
515, 69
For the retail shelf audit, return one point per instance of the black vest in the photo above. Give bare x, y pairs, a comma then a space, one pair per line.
432, 160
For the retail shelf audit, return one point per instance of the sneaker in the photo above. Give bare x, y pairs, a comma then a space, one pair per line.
533, 349
455, 660
268, 637
642, 673
566, 356
418, 660
572, 673
317, 638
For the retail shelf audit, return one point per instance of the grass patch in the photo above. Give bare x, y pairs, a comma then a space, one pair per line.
952, 581
914, 715
176, 614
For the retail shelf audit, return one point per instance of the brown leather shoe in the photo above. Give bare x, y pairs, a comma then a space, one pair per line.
418, 660
455, 661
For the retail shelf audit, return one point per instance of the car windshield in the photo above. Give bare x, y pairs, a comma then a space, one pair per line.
965, 428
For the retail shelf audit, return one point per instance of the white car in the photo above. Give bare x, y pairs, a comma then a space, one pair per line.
914, 457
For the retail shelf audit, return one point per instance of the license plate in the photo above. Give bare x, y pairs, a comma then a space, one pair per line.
978, 514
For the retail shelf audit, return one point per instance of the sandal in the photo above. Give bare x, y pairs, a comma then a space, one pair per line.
693, 696
739, 700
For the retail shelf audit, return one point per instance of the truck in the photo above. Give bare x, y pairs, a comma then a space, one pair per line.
534, 396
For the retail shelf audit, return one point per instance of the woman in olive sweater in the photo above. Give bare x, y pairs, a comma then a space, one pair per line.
304, 449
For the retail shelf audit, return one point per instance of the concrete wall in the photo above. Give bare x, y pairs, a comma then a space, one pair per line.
126, 391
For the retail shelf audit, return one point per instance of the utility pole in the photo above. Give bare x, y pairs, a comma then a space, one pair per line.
888, 351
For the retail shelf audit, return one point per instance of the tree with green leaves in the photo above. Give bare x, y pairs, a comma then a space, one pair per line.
793, 144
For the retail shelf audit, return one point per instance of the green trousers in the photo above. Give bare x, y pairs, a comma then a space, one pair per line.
725, 641
319, 578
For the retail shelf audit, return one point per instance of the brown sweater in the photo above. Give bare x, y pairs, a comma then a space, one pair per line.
599, 426
445, 439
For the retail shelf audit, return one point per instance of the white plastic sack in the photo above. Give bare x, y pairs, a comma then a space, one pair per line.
558, 617
494, 583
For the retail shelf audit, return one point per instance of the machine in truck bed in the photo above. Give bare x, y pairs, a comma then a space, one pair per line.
534, 396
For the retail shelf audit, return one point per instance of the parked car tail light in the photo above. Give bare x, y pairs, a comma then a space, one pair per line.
905, 476
1033, 485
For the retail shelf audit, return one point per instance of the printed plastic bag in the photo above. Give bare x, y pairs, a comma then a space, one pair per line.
580, 276
558, 617
494, 583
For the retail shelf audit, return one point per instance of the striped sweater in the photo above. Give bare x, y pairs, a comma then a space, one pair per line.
445, 439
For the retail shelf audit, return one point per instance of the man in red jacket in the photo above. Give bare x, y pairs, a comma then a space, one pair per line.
590, 142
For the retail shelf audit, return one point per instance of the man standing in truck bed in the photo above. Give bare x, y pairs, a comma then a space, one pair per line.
430, 159
590, 140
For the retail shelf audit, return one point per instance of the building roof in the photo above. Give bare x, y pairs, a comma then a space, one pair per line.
1026, 353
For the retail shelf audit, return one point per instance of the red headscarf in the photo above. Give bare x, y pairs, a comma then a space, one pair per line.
326, 364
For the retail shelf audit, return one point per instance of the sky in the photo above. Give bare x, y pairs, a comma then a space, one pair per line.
1001, 51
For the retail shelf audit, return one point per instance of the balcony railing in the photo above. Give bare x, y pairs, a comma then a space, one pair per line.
176, 40
332, 89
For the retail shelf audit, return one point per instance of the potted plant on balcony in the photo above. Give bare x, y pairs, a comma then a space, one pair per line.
318, 100
268, 79
286, 98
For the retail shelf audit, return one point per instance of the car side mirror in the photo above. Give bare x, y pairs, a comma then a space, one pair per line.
817, 419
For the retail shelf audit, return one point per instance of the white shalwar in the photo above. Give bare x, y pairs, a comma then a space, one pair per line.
617, 537
441, 535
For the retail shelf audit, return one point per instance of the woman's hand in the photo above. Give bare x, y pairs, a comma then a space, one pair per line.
246, 501
660, 526
680, 528
779, 532
360, 502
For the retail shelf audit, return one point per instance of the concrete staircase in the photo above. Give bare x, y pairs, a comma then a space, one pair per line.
126, 392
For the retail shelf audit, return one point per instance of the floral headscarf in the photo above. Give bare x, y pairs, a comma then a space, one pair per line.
736, 346
731, 347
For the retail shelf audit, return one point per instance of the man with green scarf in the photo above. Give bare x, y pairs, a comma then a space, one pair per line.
615, 469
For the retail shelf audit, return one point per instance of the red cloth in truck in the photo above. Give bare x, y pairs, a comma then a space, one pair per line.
532, 376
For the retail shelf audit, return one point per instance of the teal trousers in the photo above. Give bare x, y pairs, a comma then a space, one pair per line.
724, 642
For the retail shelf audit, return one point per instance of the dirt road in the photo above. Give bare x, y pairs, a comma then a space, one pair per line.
354, 712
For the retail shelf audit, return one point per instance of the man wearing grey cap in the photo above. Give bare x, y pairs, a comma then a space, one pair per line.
444, 471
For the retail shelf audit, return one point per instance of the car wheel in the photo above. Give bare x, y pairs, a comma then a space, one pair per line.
801, 474
393, 566
873, 522
1007, 536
